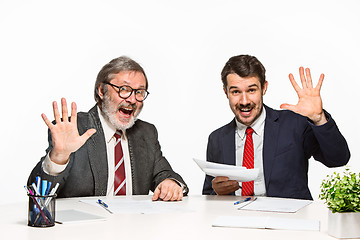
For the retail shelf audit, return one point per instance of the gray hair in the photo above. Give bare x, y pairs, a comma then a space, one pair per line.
115, 66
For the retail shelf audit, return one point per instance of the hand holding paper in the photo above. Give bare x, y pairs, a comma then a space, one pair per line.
240, 174
227, 177
224, 186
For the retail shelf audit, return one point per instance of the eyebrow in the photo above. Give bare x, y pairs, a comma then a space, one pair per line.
250, 86
253, 85
127, 83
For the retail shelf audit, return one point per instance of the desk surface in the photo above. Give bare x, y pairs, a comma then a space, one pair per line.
194, 224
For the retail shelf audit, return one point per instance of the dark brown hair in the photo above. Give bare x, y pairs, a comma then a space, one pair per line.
244, 66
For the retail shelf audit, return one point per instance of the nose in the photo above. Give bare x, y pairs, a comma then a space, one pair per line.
244, 99
132, 98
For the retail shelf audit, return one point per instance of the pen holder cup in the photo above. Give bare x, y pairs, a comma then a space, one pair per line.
41, 211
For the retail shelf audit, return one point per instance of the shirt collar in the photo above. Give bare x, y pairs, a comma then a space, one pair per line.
258, 125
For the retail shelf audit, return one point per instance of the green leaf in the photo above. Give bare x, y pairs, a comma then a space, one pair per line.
341, 192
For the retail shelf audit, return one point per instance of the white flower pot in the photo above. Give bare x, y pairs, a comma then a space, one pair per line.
344, 225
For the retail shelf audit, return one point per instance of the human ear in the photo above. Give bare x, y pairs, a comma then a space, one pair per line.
225, 91
100, 92
264, 88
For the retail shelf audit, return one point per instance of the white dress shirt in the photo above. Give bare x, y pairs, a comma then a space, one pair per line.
54, 169
258, 139
110, 140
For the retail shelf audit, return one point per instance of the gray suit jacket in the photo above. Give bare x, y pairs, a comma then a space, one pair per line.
87, 171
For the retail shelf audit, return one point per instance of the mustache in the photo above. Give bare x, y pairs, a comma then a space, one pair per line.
240, 106
126, 105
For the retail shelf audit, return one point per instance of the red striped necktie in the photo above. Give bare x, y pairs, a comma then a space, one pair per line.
119, 178
248, 162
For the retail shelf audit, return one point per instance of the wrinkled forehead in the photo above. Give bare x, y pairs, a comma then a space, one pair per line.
134, 79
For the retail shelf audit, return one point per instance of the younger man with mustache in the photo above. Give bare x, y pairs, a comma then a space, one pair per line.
282, 141
84, 149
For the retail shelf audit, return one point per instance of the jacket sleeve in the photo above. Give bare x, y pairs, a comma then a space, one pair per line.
148, 165
162, 169
329, 146
38, 170
207, 187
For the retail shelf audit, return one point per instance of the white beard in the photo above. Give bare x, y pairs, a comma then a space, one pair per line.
110, 114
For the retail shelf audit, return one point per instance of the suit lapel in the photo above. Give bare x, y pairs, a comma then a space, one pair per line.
97, 153
228, 143
137, 156
270, 142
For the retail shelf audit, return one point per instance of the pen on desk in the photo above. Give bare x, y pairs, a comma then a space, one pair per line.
243, 200
248, 202
104, 205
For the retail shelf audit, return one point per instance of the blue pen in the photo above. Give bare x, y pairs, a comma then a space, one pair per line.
241, 201
48, 188
38, 183
104, 205
44, 187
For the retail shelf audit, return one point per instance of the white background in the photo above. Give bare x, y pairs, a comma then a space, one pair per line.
54, 49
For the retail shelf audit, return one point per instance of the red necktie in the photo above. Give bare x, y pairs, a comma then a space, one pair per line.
119, 178
248, 162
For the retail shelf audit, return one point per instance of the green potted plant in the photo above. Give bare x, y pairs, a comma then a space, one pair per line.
341, 193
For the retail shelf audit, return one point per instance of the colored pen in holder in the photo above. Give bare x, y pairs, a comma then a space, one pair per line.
41, 210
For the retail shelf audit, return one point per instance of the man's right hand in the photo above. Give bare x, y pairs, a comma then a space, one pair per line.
65, 134
224, 186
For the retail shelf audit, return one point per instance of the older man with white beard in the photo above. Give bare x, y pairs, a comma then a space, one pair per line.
107, 151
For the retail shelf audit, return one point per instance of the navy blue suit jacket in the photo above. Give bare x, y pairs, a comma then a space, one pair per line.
289, 141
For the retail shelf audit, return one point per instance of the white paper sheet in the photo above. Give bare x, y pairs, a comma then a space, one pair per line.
267, 223
243, 175
205, 164
75, 216
240, 174
131, 206
276, 205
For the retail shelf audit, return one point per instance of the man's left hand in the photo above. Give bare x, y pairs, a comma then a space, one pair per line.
168, 190
310, 103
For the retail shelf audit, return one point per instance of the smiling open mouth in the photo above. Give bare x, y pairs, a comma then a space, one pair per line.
248, 109
126, 110
245, 110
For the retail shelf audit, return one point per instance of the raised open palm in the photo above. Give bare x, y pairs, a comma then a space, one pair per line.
310, 103
65, 135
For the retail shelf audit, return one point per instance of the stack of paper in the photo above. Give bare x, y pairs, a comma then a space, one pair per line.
240, 174
267, 223
276, 205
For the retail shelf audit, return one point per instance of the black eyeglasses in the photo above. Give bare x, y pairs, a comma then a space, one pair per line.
126, 91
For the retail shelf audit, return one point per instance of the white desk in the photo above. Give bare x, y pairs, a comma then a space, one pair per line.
188, 225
